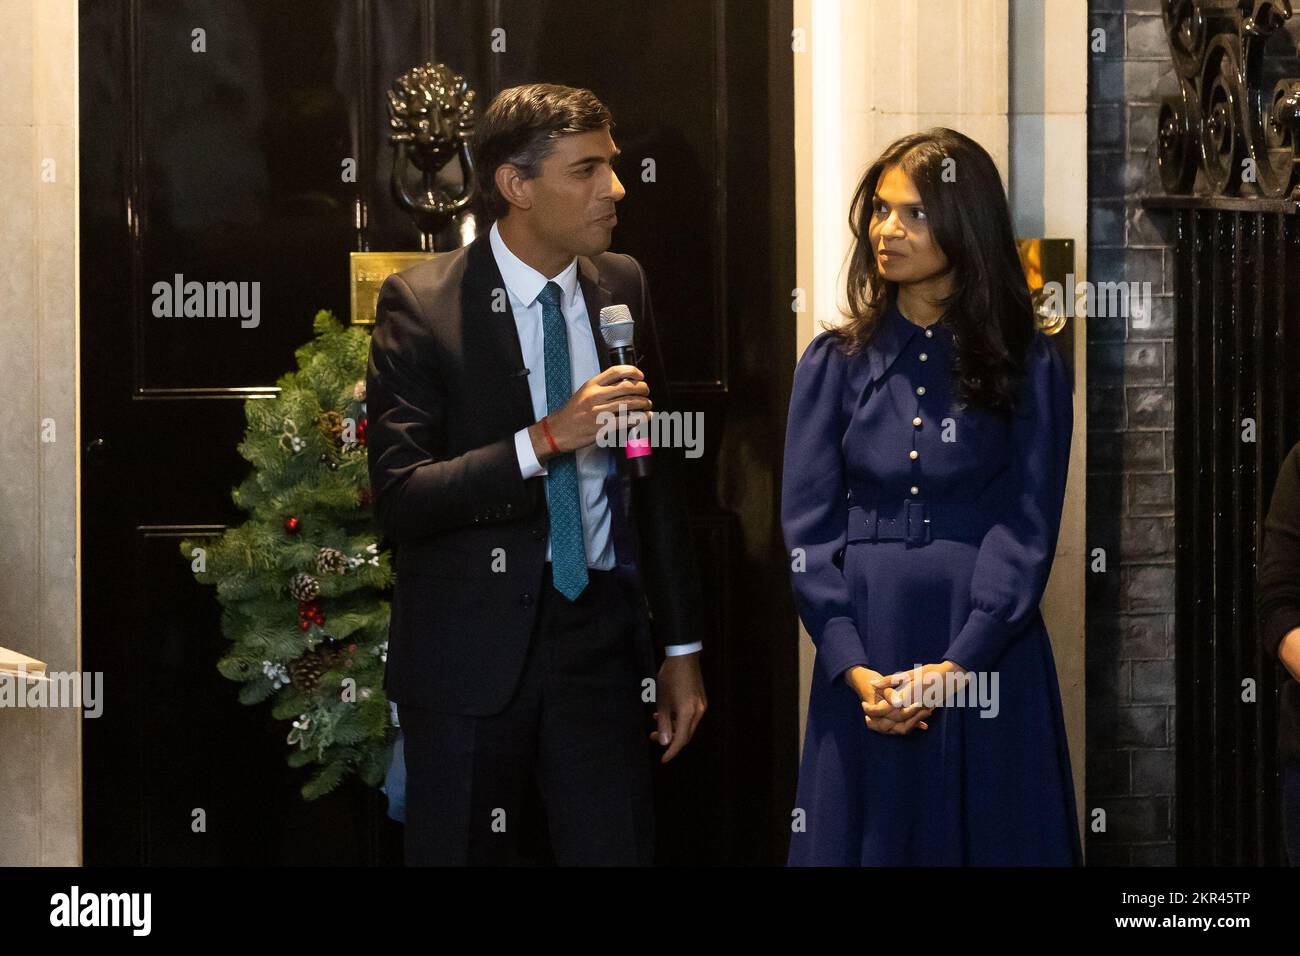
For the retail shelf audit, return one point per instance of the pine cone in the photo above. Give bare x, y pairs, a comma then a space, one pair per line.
331, 561
307, 669
331, 423
304, 587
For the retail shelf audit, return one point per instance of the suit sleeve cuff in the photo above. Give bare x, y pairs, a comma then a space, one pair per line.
677, 650
529, 466
840, 648
980, 642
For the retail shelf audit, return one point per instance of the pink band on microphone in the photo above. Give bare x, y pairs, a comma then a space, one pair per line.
637, 447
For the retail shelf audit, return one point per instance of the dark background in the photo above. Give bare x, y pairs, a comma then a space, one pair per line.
225, 165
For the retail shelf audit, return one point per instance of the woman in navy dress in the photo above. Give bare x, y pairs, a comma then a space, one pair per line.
925, 466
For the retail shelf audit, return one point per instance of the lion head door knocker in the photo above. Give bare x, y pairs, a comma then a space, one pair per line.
1236, 115
431, 112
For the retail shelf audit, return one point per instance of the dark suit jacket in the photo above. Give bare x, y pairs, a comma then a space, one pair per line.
445, 393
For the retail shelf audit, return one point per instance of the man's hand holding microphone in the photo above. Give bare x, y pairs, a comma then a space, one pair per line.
617, 390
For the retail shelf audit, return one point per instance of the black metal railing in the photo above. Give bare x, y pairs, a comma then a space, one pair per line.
1236, 415
1227, 156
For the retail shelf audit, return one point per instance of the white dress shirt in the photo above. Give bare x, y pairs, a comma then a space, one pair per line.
523, 285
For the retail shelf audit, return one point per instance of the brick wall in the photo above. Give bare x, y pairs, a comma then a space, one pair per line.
1130, 619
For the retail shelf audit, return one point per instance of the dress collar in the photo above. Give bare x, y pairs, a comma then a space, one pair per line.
893, 333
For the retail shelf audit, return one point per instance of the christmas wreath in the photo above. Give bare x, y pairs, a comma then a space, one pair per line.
302, 581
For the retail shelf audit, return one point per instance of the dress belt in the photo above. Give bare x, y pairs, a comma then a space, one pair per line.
917, 522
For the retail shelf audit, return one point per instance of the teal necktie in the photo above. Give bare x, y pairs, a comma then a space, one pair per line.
568, 551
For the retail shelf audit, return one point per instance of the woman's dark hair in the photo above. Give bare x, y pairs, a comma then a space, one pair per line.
989, 312
520, 128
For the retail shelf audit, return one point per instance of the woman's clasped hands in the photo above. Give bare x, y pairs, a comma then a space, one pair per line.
900, 702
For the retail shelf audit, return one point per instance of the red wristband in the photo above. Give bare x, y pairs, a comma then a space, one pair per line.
555, 449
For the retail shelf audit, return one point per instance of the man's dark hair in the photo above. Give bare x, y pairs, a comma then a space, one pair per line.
520, 128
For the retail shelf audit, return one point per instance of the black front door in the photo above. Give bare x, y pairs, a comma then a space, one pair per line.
212, 142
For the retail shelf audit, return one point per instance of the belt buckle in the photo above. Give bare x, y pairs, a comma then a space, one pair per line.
917, 529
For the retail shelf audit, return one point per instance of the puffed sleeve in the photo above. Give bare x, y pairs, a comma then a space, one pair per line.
1016, 554
814, 507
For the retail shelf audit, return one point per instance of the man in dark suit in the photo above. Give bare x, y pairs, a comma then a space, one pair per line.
535, 575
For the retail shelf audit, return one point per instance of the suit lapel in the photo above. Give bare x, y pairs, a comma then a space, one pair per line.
479, 292
597, 295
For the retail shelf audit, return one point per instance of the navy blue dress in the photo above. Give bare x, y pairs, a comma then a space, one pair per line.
902, 559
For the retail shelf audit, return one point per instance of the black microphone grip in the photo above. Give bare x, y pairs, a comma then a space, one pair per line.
637, 450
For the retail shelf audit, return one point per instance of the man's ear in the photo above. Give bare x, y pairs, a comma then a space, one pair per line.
513, 187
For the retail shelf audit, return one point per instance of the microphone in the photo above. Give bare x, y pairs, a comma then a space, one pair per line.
616, 328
